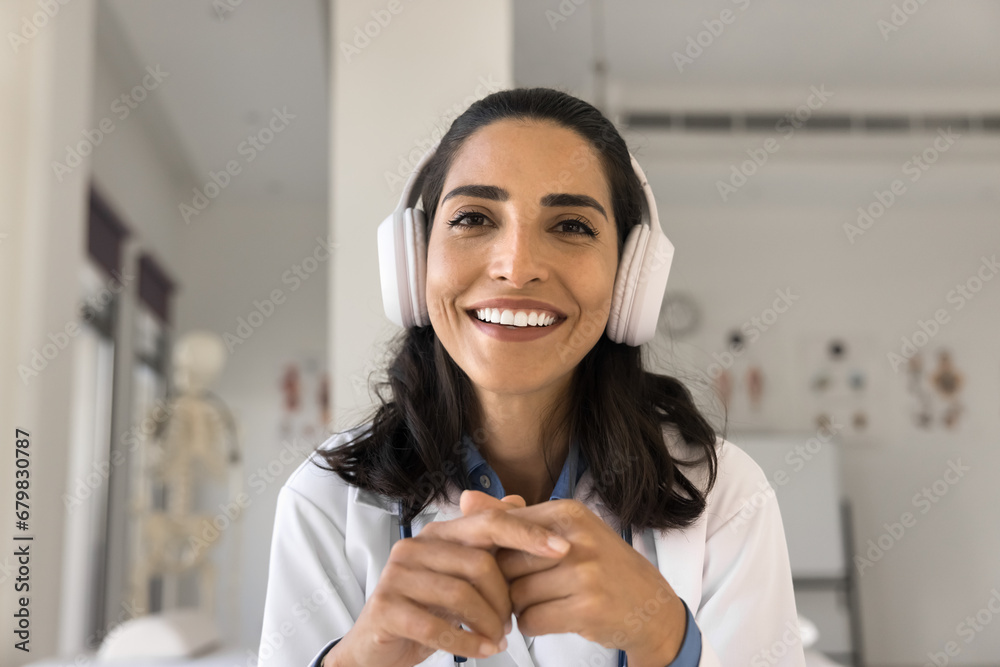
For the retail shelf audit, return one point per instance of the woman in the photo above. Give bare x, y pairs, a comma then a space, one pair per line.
539, 463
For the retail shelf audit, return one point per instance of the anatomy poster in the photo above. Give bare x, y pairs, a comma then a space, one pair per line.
843, 386
304, 388
935, 382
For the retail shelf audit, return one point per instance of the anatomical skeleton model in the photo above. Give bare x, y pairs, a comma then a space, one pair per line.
196, 444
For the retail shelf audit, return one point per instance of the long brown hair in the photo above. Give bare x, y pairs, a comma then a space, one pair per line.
616, 409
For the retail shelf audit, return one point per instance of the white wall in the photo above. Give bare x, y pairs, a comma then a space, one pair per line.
389, 102
44, 105
785, 230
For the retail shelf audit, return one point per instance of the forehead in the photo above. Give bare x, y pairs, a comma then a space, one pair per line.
527, 158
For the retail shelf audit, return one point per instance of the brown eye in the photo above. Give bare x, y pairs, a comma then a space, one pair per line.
466, 215
579, 227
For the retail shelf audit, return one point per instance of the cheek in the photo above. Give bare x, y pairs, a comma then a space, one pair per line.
445, 278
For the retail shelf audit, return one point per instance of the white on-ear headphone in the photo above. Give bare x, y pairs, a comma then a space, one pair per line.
639, 284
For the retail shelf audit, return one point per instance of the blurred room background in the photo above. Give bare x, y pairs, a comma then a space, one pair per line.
212, 172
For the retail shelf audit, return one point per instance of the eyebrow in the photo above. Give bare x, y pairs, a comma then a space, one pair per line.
496, 193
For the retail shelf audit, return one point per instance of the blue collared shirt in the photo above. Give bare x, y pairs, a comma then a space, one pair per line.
482, 478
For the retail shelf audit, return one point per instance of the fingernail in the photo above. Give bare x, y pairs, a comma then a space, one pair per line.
488, 648
559, 544
503, 644
507, 628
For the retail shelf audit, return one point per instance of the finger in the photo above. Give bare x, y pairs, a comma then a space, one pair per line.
477, 566
472, 501
407, 619
514, 564
499, 528
515, 500
540, 587
457, 598
555, 616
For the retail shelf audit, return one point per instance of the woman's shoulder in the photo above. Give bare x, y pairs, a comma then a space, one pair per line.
324, 488
739, 479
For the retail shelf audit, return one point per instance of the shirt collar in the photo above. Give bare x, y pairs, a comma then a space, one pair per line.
482, 477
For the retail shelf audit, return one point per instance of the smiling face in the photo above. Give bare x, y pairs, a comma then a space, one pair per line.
535, 233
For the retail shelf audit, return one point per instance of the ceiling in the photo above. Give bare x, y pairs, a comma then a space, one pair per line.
231, 68
231, 63
766, 43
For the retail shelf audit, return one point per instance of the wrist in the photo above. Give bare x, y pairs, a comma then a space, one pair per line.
335, 657
661, 648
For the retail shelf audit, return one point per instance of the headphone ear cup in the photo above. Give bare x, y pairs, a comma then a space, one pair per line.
617, 318
419, 279
392, 267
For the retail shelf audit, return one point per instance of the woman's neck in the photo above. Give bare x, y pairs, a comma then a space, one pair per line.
513, 442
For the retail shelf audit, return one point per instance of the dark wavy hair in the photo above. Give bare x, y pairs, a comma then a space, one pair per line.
616, 409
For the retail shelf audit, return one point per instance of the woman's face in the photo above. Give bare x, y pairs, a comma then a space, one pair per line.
530, 194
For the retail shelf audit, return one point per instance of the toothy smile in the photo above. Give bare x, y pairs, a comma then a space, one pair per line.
515, 318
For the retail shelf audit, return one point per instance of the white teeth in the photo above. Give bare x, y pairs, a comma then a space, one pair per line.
518, 318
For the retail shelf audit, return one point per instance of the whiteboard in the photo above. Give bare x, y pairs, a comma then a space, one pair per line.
809, 498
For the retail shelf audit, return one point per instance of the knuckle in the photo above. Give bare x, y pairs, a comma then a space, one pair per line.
590, 608
482, 564
455, 589
590, 574
492, 514
401, 550
423, 627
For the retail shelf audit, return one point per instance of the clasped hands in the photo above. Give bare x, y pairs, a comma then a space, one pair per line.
556, 566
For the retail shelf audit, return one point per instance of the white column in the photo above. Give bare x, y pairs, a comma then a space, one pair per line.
45, 87
401, 72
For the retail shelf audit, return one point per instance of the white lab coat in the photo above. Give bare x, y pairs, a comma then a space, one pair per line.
331, 541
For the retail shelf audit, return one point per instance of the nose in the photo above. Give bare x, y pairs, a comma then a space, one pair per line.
518, 257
